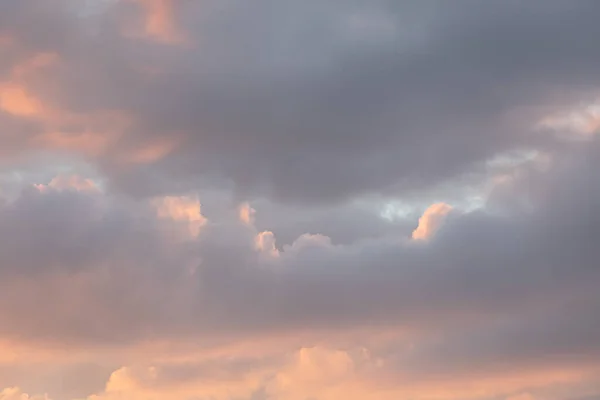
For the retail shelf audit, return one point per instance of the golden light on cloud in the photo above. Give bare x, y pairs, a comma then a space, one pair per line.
319, 364
87, 143
123, 121
161, 383
152, 152
521, 396
159, 23
15, 97
182, 209
15, 393
35, 63
431, 220
265, 243
89, 133
74, 182
309, 240
16, 100
123, 380
98, 131
582, 121
246, 213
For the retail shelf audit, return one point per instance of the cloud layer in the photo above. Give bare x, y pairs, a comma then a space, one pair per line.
299, 200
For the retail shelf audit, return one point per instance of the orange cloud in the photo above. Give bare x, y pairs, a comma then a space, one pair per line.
15, 97
88, 133
318, 365
15, 393
35, 63
431, 220
151, 152
75, 182
159, 23
246, 214
521, 396
323, 372
182, 209
265, 243
151, 383
16, 100
582, 121
87, 143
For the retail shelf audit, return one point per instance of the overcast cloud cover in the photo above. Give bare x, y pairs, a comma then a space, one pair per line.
299, 200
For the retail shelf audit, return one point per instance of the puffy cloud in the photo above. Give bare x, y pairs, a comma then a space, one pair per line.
265, 242
431, 220
323, 373
246, 213
182, 209
73, 182
15, 393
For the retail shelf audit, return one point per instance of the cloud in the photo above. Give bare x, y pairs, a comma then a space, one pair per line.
305, 140
105, 246
159, 20
521, 396
491, 290
431, 220
584, 121
246, 213
16, 394
221, 200
265, 242
73, 182
184, 209
15, 100
315, 372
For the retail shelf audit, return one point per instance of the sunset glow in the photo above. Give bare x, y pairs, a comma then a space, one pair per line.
299, 200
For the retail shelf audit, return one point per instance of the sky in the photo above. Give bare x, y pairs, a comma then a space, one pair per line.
299, 200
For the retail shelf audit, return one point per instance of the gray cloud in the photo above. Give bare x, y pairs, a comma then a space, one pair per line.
525, 268
310, 102
305, 109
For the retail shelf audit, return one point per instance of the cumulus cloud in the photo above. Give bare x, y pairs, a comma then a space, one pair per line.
183, 209
73, 182
246, 213
431, 220
584, 121
15, 393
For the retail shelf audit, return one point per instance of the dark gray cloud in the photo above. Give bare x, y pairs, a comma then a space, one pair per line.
319, 101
